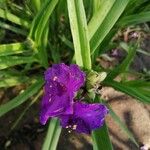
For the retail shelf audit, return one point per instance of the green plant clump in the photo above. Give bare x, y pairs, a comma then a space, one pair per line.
43, 32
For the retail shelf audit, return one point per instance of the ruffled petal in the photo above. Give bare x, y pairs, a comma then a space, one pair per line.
77, 78
85, 118
55, 101
59, 73
71, 76
61, 83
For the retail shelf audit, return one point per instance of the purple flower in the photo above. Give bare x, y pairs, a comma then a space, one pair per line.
85, 117
61, 83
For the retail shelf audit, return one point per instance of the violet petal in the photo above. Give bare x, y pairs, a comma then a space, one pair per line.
86, 117
61, 83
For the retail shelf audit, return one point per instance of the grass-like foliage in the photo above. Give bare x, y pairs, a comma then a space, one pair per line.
52, 31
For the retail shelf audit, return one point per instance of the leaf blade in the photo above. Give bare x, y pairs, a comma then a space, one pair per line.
128, 90
107, 24
79, 31
52, 136
34, 88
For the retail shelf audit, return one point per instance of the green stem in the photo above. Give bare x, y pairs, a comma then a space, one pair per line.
53, 133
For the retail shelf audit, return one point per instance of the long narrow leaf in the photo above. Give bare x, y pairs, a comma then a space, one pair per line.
96, 5
137, 83
108, 23
34, 88
79, 32
135, 19
26, 109
52, 136
11, 17
12, 28
128, 90
121, 124
124, 65
37, 4
56, 136
41, 46
12, 81
8, 61
101, 139
36, 20
99, 16
13, 48
44, 19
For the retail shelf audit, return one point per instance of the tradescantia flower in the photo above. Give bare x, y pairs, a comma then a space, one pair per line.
61, 84
85, 118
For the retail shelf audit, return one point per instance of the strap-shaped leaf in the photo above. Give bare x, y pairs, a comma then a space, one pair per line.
36, 3
101, 140
8, 61
121, 124
33, 89
134, 92
13, 48
79, 31
26, 109
124, 65
137, 83
15, 19
135, 19
109, 21
12, 28
44, 19
12, 81
52, 137
99, 16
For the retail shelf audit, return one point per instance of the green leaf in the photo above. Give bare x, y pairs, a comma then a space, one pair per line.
44, 19
124, 65
99, 16
145, 91
79, 31
14, 48
52, 137
121, 124
125, 47
134, 19
135, 6
42, 46
26, 109
11, 17
134, 92
13, 28
37, 19
96, 5
8, 61
109, 21
37, 4
137, 83
40, 29
34, 88
12, 81
101, 139
66, 41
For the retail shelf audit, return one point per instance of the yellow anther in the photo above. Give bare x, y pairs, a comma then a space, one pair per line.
74, 127
55, 78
